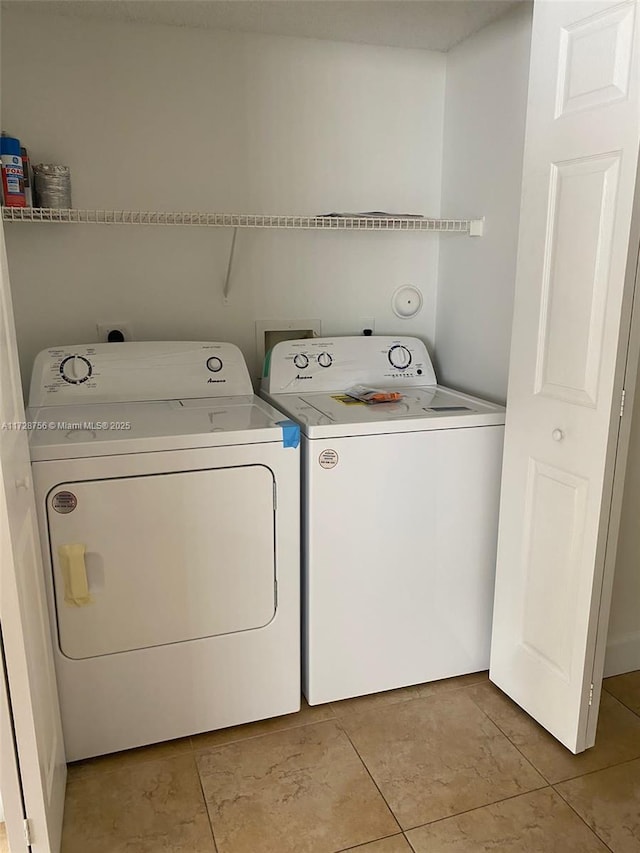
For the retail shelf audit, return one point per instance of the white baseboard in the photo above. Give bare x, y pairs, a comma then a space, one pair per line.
623, 654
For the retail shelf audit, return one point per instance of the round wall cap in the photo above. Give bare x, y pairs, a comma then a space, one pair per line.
406, 302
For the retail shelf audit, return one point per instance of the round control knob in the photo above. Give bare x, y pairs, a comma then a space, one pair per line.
214, 364
325, 360
557, 435
75, 369
301, 360
399, 357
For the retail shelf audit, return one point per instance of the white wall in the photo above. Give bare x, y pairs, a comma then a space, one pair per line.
485, 106
162, 118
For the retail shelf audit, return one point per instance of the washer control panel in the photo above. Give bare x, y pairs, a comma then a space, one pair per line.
329, 364
137, 371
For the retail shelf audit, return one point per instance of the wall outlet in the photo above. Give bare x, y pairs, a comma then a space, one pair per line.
336, 327
105, 329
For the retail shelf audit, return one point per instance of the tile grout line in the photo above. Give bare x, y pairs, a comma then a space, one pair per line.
335, 721
546, 784
408, 840
557, 781
506, 799
553, 784
206, 804
369, 774
590, 828
515, 746
386, 705
426, 695
478, 808
76, 775
593, 772
374, 841
334, 715
301, 725
622, 702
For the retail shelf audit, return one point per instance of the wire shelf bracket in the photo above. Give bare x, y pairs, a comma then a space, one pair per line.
227, 281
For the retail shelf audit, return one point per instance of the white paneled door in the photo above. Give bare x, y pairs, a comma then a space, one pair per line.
574, 289
10, 785
23, 612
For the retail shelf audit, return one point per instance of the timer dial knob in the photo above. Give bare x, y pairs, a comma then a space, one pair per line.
301, 360
325, 359
75, 369
214, 364
399, 357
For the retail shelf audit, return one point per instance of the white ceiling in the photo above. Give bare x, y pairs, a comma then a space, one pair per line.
424, 24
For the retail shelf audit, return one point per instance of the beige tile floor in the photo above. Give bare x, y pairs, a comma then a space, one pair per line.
448, 767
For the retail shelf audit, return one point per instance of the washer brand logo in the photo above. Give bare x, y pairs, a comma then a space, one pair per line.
303, 377
216, 380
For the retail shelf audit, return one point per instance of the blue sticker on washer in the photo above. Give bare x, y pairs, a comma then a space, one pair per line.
290, 433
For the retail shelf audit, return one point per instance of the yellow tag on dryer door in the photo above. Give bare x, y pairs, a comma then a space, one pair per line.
74, 574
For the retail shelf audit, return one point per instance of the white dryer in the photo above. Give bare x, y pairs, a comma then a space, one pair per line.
400, 515
168, 501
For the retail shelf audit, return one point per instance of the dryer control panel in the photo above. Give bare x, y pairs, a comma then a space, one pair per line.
137, 371
330, 364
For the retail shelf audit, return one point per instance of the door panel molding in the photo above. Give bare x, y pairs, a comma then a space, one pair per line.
577, 251
583, 84
556, 502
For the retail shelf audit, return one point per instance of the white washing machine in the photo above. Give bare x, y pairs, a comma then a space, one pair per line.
400, 515
168, 501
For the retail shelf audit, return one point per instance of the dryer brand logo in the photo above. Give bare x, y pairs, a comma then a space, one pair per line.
216, 380
303, 377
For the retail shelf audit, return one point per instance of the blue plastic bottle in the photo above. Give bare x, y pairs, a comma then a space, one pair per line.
12, 174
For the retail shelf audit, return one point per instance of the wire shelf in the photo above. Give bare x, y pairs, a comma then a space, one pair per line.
236, 220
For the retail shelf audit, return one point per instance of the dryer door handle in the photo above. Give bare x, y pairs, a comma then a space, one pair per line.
74, 574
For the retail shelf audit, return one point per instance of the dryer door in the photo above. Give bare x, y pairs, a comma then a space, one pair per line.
146, 561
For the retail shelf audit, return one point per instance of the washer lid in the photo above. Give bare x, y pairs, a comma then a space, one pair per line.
107, 429
432, 407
